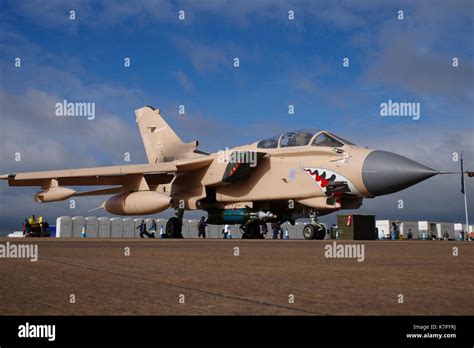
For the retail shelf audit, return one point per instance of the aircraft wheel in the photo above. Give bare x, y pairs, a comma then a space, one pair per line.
251, 231
255, 228
174, 228
320, 232
309, 231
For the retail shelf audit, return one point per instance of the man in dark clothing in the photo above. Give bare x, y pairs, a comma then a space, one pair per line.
153, 226
202, 227
142, 228
275, 229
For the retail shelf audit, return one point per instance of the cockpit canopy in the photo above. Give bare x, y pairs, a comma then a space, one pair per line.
303, 138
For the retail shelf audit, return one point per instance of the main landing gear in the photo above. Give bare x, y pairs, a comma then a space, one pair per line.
174, 226
314, 230
251, 230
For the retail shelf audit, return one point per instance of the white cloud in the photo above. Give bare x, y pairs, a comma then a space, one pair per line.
184, 81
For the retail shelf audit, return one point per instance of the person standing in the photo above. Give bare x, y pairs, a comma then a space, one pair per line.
202, 227
143, 231
275, 230
226, 231
153, 226
263, 229
26, 227
393, 231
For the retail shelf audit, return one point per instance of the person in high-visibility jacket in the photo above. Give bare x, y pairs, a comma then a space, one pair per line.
32, 220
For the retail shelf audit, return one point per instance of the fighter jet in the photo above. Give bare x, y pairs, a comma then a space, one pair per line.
297, 174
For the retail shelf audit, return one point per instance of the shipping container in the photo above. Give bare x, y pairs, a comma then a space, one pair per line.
356, 227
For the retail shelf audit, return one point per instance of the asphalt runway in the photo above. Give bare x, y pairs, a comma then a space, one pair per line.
263, 279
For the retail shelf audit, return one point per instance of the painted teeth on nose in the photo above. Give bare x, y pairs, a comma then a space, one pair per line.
386, 172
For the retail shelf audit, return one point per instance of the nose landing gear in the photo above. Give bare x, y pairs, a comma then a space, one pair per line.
311, 231
314, 230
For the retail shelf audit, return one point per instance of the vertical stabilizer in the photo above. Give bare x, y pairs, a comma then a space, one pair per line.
161, 143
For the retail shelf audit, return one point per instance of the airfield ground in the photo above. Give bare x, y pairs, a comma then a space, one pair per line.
260, 280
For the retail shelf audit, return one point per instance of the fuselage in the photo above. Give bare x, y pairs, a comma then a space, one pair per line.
298, 169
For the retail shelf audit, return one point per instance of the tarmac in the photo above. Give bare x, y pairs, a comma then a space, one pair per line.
205, 277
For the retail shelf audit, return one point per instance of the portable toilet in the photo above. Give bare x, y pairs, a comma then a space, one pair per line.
214, 231
185, 229
192, 229
332, 230
78, 223
63, 227
104, 227
138, 222
291, 231
128, 228
458, 228
283, 226
116, 229
298, 231
160, 223
92, 227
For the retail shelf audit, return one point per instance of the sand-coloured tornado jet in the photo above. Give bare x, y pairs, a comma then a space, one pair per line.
297, 174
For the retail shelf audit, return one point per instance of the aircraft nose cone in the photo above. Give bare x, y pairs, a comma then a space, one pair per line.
385, 172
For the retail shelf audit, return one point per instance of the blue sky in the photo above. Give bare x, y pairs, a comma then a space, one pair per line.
282, 62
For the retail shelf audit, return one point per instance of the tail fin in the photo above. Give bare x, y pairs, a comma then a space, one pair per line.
160, 141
